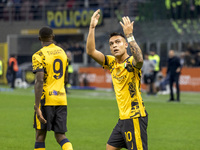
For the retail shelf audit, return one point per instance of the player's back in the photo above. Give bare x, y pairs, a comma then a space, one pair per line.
54, 61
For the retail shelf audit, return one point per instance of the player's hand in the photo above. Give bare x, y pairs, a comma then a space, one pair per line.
40, 116
178, 70
127, 26
95, 19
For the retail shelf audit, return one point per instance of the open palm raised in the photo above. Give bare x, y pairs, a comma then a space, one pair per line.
95, 19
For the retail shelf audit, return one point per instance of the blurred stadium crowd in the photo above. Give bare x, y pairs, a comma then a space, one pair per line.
191, 57
18, 9
171, 24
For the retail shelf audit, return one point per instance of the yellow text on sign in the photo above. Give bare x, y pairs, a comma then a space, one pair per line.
70, 18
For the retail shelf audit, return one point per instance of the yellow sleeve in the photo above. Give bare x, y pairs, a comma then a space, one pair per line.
37, 63
108, 62
131, 62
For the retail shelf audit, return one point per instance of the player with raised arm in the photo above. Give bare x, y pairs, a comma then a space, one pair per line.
131, 129
50, 68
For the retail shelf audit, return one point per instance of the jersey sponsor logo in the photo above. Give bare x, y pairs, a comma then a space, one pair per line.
56, 93
120, 79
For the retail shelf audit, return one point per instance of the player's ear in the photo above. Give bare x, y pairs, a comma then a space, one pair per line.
39, 38
126, 45
53, 37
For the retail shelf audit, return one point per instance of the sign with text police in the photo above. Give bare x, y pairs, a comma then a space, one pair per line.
71, 18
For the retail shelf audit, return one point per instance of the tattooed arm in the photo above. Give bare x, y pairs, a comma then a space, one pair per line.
136, 52
127, 26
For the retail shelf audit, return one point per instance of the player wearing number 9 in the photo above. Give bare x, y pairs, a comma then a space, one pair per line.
50, 67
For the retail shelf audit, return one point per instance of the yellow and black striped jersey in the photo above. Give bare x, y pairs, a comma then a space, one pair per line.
52, 60
126, 81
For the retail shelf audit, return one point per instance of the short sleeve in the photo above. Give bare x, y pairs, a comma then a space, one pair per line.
108, 62
37, 63
131, 60
105, 63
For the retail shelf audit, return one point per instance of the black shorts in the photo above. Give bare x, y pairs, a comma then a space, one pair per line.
56, 117
130, 134
154, 76
148, 78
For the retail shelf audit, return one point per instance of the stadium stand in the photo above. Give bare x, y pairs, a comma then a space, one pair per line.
161, 29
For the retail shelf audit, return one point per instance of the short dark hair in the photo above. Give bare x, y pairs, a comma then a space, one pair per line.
45, 33
116, 34
152, 50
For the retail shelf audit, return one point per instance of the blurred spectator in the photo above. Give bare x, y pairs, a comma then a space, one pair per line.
36, 9
70, 70
189, 59
8, 10
93, 3
1, 67
12, 69
19, 9
9, 3
147, 72
81, 3
17, 4
60, 45
174, 69
159, 82
163, 85
86, 3
156, 59
2, 4
182, 60
191, 50
26, 10
70, 4
77, 51
197, 59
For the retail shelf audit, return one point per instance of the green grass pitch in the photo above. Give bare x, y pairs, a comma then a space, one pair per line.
93, 114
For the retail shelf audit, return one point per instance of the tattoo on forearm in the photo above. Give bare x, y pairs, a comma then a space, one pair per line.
136, 52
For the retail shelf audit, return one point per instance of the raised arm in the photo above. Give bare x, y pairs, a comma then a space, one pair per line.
90, 45
127, 26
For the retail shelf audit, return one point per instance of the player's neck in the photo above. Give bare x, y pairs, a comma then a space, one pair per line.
121, 58
47, 43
